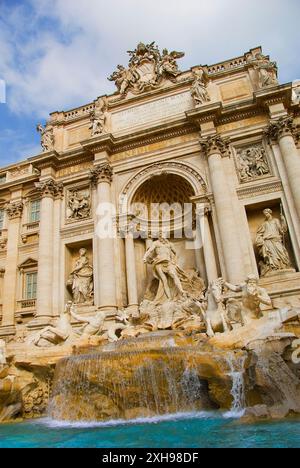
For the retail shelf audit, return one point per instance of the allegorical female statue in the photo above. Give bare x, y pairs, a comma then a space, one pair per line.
270, 243
199, 87
81, 280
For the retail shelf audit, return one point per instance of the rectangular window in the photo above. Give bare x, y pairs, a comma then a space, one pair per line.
34, 212
31, 285
1, 219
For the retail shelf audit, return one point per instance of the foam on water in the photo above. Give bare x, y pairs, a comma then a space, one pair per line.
123, 422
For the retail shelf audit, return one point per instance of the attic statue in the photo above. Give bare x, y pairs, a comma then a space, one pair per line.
199, 87
47, 137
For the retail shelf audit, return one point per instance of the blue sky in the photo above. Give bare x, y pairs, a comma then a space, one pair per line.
57, 54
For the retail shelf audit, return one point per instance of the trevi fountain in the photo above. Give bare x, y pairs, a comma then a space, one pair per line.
149, 261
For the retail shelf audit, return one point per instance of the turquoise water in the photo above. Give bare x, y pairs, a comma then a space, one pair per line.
178, 431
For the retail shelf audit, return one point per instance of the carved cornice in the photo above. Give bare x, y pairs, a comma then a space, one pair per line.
282, 127
14, 210
49, 188
254, 190
101, 173
215, 144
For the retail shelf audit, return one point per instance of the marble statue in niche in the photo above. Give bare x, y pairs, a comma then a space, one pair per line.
162, 257
252, 163
78, 204
99, 117
47, 137
174, 296
270, 244
81, 280
199, 87
267, 70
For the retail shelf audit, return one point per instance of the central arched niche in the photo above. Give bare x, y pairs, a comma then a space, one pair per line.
161, 198
163, 188
169, 188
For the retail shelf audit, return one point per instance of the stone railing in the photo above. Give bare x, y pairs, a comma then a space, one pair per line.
29, 227
225, 66
79, 112
26, 304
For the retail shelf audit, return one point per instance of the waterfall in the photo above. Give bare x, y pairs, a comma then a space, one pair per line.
128, 384
236, 365
146, 377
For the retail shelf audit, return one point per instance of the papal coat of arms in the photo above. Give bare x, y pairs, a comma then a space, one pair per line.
148, 67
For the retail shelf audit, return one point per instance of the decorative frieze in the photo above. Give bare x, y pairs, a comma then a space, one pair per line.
252, 163
49, 188
78, 204
14, 209
282, 127
101, 173
215, 144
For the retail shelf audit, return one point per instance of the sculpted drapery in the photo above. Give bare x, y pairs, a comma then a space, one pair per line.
269, 241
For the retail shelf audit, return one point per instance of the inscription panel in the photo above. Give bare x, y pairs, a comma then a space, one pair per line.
152, 111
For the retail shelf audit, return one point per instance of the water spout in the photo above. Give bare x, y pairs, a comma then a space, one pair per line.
237, 370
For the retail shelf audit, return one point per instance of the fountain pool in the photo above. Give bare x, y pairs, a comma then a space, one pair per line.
192, 430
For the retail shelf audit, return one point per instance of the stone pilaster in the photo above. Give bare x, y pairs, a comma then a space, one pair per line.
49, 190
216, 148
14, 212
285, 132
101, 177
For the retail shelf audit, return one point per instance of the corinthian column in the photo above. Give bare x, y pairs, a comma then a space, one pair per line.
208, 247
131, 268
14, 213
104, 240
284, 131
217, 148
49, 190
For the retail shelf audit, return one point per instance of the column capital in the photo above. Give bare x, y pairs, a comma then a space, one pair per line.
14, 209
203, 210
101, 173
282, 127
49, 188
215, 144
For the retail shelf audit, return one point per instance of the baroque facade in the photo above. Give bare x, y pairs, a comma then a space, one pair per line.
223, 138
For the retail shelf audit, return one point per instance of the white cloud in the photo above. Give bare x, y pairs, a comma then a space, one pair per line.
50, 68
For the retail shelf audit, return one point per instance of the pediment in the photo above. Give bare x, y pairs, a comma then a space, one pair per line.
28, 263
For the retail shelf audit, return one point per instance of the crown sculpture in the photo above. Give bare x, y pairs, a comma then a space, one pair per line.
148, 67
